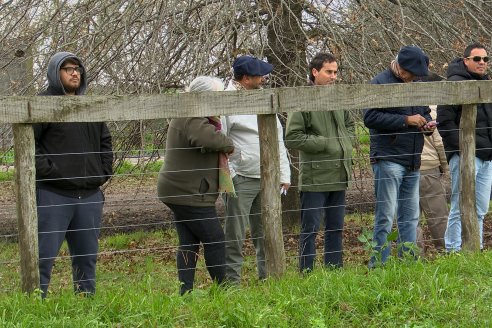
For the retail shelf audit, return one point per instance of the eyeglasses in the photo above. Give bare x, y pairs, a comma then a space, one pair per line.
70, 70
478, 58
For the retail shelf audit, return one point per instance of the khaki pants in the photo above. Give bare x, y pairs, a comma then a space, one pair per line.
244, 209
434, 206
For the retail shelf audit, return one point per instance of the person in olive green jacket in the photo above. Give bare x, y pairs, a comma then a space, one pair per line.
325, 147
188, 184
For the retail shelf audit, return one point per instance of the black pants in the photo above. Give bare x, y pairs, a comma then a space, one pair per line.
76, 220
329, 205
194, 225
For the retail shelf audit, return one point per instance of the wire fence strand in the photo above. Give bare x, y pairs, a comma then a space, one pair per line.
352, 231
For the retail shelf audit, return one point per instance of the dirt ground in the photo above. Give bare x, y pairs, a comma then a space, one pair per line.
131, 205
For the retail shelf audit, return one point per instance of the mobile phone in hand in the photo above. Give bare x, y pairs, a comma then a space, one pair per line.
430, 124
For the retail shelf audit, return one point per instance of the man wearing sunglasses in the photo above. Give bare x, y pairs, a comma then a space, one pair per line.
473, 66
72, 161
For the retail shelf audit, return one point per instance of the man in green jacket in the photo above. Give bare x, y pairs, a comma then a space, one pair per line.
325, 147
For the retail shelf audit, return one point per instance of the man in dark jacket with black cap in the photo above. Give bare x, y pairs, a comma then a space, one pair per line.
72, 161
473, 66
396, 145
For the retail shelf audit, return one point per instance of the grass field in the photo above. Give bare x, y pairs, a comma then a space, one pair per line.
137, 287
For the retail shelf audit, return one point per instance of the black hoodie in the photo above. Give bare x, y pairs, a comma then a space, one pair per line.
72, 159
449, 117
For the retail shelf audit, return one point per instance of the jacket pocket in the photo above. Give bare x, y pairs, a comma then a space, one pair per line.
325, 172
325, 164
386, 139
204, 186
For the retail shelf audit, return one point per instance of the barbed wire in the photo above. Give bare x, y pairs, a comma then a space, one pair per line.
359, 135
155, 249
154, 199
220, 217
318, 255
285, 236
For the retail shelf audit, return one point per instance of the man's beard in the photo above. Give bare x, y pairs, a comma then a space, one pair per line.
70, 89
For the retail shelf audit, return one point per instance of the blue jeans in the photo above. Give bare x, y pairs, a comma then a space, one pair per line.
483, 181
315, 205
397, 193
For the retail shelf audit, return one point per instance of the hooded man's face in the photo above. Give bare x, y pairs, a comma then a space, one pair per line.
70, 77
478, 67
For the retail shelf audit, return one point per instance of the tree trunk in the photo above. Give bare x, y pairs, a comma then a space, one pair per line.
287, 52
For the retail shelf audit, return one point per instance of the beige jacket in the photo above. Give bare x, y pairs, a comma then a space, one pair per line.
433, 154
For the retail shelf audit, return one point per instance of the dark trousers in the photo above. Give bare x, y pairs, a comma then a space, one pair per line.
194, 225
315, 205
76, 220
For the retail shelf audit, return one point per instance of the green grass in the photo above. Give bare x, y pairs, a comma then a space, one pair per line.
137, 287
7, 175
7, 157
145, 239
127, 167
448, 292
362, 133
362, 143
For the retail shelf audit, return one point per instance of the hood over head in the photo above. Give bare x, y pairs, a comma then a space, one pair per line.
54, 65
457, 71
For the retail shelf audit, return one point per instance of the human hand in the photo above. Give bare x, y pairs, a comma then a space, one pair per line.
416, 120
443, 169
283, 188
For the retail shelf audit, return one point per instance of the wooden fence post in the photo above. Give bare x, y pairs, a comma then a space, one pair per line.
469, 220
25, 180
271, 206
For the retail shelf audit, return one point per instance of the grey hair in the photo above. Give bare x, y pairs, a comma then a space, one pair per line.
206, 83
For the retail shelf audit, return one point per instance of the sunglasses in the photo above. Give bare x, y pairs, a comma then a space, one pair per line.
478, 58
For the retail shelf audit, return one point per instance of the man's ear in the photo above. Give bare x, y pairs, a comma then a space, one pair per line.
315, 72
244, 79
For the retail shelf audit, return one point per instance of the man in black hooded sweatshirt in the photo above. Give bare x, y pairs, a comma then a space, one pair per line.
72, 161
473, 66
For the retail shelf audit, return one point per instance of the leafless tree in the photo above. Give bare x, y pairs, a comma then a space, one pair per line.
148, 47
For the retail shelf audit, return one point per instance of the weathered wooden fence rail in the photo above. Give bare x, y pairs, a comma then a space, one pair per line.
22, 111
